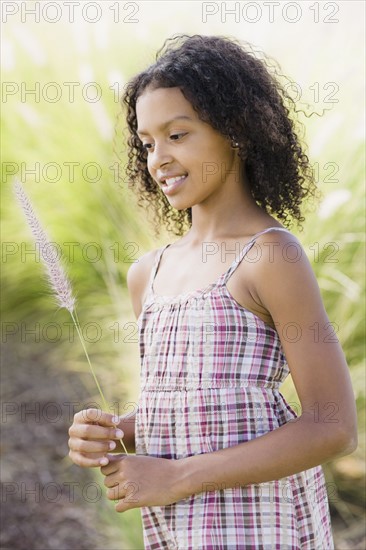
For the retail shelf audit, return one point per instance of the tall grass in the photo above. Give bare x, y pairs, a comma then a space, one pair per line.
89, 218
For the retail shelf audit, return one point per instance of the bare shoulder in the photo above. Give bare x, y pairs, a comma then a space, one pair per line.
138, 275
279, 257
279, 248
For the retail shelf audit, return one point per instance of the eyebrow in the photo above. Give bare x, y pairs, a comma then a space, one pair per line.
165, 124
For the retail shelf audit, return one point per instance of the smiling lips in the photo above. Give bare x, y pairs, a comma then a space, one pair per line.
169, 180
171, 183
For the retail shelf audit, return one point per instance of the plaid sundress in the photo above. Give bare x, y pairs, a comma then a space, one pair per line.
210, 377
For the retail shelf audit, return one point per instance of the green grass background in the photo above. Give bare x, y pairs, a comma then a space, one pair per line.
324, 57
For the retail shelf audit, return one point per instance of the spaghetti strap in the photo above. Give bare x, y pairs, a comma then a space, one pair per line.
222, 280
225, 277
155, 267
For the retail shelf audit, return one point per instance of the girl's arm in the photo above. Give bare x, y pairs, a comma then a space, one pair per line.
93, 431
327, 427
137, 279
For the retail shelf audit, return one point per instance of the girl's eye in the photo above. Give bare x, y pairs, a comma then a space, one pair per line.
174, 137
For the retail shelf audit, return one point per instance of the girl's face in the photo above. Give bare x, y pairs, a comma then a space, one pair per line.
188, 159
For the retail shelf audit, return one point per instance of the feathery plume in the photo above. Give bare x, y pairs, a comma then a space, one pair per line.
56, 274
58, 280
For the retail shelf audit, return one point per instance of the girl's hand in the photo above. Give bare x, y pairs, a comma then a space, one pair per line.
142, 481
92, 436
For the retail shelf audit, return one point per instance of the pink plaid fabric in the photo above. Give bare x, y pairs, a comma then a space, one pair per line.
210, 377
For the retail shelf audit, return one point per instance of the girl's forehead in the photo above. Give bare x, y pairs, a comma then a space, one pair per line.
168, 97
155, 104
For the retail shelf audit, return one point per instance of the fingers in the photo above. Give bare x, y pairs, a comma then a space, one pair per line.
84, 430
84, 446
90, 416
92, 435
92, 431
122, 506
112, 465
91, 460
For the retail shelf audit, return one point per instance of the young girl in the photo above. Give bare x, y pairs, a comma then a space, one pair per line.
224, 313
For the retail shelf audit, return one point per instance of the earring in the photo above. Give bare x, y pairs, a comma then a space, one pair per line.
234, 144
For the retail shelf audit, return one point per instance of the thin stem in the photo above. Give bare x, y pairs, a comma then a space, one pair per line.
78, 330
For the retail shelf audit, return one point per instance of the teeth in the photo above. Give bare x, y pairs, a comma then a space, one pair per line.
169, 181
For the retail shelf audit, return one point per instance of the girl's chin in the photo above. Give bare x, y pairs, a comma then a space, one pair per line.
179, 204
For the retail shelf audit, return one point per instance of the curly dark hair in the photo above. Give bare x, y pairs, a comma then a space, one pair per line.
233, 90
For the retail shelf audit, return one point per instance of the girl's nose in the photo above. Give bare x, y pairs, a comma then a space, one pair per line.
159, 157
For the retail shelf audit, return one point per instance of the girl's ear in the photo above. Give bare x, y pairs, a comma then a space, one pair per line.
234, 143
241, 148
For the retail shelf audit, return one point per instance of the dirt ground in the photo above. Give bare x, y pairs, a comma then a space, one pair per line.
45, 498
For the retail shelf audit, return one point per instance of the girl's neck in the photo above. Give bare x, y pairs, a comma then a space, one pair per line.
230, 219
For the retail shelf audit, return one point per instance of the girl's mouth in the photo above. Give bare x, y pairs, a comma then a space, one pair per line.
171, 184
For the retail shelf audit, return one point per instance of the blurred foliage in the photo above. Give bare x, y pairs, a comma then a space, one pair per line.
108, 231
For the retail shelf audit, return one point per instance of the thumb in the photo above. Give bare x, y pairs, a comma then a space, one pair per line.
123, 505
115, 457
110, 459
